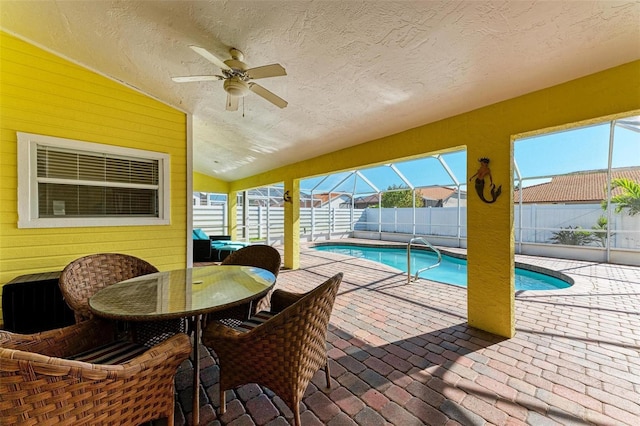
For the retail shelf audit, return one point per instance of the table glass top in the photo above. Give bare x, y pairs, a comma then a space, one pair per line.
182, 292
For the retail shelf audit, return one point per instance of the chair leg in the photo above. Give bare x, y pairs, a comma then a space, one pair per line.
327, 374
223, 402
296, 415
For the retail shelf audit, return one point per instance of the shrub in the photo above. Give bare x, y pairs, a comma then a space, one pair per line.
573, 237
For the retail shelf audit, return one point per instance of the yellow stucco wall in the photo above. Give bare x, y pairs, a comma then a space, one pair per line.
485, 132
44, 94
292, 225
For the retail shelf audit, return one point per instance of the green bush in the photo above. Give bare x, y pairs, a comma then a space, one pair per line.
573, 237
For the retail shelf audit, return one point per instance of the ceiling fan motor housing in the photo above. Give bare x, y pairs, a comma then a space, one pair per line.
235, 86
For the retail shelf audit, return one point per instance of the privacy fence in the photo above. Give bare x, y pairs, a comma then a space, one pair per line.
558, 225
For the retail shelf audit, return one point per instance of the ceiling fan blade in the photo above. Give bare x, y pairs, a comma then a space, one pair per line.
232, 103
211, 57
271, 97
273, 70
191, 78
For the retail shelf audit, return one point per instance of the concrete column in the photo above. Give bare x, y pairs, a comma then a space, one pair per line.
490, 279
292, 225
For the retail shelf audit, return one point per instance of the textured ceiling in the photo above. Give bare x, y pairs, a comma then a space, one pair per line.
356, 70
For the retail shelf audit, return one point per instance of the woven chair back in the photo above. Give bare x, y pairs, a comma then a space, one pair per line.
257, 255
83, 277
39, 389
285, 352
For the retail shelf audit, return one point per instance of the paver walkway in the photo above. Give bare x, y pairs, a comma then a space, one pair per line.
402, 354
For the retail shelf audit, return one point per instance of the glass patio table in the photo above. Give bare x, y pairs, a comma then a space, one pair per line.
183, 293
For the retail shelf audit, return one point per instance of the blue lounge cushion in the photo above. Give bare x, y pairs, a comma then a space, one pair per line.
217, 244
220, 244
233, 246
199, 234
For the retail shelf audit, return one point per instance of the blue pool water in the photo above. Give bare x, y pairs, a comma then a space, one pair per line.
451, 271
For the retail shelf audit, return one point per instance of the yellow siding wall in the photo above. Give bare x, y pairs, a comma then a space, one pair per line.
44, 94
204, 183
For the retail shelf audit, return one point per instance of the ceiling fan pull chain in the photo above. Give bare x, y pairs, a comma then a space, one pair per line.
242, 107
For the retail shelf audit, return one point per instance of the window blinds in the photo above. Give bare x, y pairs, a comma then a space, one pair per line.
83, 184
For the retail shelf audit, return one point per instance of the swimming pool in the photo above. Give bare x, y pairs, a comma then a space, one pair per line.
451, 271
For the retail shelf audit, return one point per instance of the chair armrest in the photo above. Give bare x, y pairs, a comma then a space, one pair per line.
50, 388
62, 342
281, 299
220, 330
169, 353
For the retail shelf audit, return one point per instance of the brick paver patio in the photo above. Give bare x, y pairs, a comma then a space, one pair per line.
402, 354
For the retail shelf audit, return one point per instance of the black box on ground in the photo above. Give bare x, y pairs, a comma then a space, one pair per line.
33, 303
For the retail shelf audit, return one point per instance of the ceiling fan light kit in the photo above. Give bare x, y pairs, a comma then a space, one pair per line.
236, 87
237, 77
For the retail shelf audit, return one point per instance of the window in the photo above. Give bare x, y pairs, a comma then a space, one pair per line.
68, 183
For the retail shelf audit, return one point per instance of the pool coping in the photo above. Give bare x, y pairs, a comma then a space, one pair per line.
578, 284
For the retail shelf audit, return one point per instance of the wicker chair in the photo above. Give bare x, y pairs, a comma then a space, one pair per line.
281, 350
83, 277
41, 384
257, 255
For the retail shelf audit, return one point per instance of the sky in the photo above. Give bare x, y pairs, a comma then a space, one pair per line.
579, 149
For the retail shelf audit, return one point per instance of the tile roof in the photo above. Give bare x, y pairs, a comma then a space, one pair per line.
579, 187
436, 192
369, 199
325, 197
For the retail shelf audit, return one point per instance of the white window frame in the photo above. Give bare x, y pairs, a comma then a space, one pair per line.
28, 183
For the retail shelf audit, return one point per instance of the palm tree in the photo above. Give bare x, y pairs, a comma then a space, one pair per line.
629, 198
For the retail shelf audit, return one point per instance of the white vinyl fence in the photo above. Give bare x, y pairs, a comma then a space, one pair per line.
267, 223
537, 223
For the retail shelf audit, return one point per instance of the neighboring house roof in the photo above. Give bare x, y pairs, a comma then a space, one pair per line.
580, 187
325, 197
436, 192
369, 199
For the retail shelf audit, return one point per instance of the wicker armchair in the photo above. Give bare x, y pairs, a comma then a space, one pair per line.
283, 352
41, 384
257, 255
83, 277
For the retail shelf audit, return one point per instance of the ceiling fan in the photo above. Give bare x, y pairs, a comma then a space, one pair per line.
237, 77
